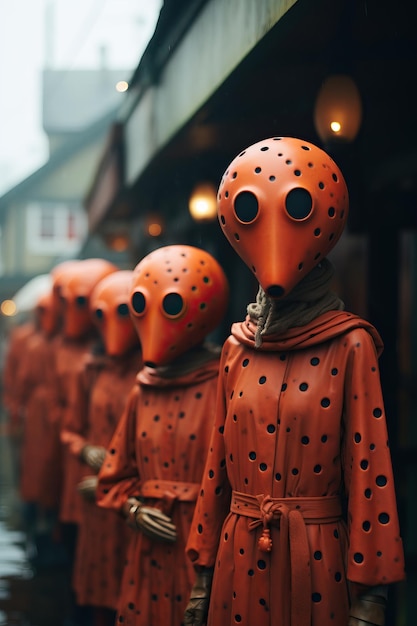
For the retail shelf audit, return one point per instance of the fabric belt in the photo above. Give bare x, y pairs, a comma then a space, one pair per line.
177, 490
291, 516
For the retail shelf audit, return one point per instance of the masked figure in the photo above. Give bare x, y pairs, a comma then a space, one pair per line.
101, 395
152, 472
41, 468
73, 284
296, 522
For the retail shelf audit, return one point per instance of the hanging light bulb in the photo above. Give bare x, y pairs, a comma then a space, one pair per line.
338, 109
203, 202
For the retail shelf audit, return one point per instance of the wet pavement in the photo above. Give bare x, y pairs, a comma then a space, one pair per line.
30, 595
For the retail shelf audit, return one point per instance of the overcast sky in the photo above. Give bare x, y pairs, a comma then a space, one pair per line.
79, 30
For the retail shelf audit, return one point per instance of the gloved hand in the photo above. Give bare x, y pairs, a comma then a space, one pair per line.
198, 604
87, 488
152, 522
93, 456
367, 610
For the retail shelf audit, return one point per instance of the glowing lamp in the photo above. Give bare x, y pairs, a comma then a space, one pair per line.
338, 110
203, 202
154, 226
8, 308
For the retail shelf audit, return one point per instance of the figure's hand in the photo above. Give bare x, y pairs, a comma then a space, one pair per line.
152, 522
198, 604
87, 488
93, 456
367, 610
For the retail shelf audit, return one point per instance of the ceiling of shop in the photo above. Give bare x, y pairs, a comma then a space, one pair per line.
273, 93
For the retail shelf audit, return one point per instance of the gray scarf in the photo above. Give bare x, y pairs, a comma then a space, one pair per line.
310, 298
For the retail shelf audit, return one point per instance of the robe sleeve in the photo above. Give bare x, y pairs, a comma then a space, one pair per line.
375, 554
213, 502
118, 478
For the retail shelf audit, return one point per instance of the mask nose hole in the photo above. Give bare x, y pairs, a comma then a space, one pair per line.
275, 291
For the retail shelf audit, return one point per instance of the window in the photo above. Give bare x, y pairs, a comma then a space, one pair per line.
55, 228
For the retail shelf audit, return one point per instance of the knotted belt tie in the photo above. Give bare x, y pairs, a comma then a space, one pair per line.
291, 515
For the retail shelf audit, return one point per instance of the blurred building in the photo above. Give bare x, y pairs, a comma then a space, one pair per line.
42, 218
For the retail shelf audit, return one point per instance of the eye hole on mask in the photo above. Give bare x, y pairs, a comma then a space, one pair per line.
123, 310
81, 302
299, 203
138, 303
99, 313
246, 207
173, 305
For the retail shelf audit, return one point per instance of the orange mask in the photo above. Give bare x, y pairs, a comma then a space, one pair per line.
110, 310
282, 204
179, 295
76, 286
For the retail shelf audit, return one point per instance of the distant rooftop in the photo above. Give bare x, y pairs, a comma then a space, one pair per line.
74, 99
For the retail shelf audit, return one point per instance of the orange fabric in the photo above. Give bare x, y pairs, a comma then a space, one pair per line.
41, 469
291, 514
102, 391
14, 358
162, 436
70, 356
181, 490
303, 416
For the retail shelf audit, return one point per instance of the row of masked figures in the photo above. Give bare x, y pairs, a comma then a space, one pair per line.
191, 483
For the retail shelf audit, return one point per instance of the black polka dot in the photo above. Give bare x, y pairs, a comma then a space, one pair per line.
305, 440
383, 518
303, 387
381, 480
316, 597
252, 455
325, 402
263, 467
377, 412
261, 564
357, 437
358, 557
366, 525
245, 362
318, 555
315, 360
262, 380
270, 428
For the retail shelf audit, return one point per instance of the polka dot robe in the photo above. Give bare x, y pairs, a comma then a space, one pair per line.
162, 436
300, 420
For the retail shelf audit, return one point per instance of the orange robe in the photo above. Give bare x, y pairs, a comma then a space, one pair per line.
69, 360
102, 539
40, 480
160, 447
14, 358
299, 451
